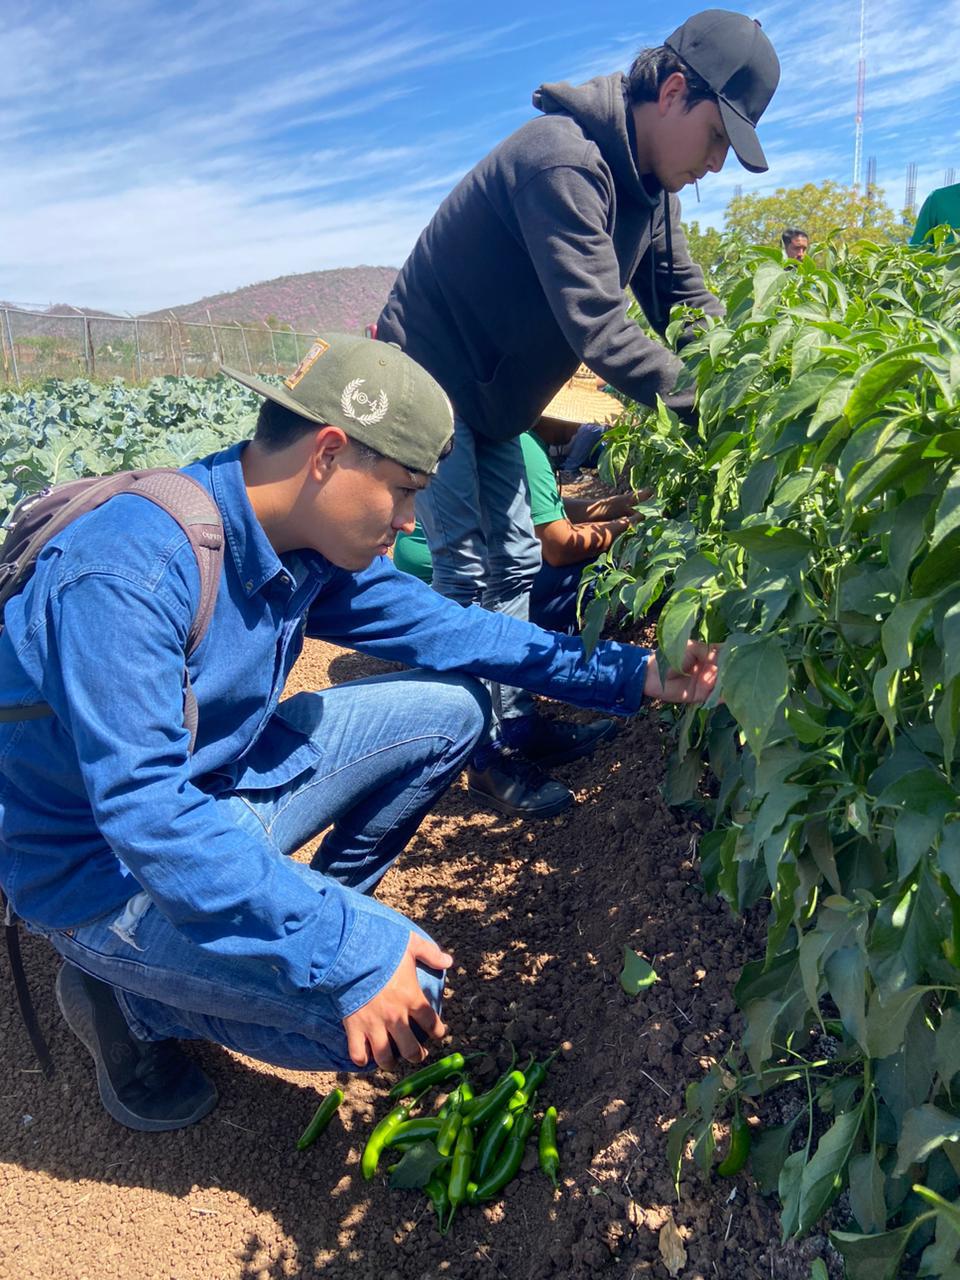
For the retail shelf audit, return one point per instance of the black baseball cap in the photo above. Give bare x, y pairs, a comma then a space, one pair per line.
733, 55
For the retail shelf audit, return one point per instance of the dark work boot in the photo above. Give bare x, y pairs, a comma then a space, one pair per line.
507, 781
147, 1085
550, 742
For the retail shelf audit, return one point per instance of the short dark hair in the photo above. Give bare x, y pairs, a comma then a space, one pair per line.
790, 234
651, 67
278, 427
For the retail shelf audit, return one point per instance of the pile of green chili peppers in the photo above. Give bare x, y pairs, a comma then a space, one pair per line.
480, 1140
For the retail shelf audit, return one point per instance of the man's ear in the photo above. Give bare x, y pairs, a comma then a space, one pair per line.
328, 446
673, 89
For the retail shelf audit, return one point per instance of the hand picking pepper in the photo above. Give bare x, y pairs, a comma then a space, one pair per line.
547, 1145
321, 1118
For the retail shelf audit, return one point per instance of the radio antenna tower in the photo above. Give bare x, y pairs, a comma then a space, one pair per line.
910, 196
861, 82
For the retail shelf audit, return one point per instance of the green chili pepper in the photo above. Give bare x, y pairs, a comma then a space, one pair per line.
378, 1139
479, 1111
547, 1145
532, 1080
449, 1129
321, 1118
494, 1136
436, 1190
739, 1148
510, 1160
460, 1170
421, 1129
456, 1100
436, 1073
827, 686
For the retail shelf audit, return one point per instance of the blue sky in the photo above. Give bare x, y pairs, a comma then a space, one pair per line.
154, 153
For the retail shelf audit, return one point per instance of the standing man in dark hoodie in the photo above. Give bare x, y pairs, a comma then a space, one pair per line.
521, 276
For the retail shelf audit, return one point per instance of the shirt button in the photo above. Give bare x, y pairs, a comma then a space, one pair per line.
248, 585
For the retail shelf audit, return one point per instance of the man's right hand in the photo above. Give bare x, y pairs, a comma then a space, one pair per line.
385, 1020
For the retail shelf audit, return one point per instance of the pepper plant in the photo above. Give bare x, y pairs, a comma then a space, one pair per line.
811, 522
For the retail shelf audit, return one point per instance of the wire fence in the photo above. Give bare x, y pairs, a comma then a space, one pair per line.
37, 345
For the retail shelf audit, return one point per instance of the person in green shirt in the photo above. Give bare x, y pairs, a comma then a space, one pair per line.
941, 206
572, 532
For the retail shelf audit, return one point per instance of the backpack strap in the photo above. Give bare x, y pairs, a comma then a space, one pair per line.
184, 500
27, 1011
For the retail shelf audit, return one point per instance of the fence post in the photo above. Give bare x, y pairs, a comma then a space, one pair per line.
13, 350
276, 362
182, 362
217, 353
136, 339
88, 342
246, 349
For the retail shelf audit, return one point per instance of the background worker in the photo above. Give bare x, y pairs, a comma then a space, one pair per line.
162, 874
941, 207
795, 243
521, 276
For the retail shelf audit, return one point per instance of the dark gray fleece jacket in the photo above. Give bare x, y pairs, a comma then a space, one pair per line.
521, 273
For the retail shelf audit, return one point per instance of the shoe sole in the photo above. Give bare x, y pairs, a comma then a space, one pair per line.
547, 811
567, 757
77, 1009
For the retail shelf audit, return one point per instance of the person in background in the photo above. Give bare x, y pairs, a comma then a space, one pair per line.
522, 274
572, 532
941, 207
795, 243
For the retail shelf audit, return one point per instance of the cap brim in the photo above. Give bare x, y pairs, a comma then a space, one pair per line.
743, 139
278, 395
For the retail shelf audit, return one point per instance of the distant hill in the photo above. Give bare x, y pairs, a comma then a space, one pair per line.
345, 298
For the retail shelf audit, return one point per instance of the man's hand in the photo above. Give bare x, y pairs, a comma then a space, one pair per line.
625, 504
387, 1017
694, 683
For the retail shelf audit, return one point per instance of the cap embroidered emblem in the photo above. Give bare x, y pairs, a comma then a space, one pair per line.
352, 398
307, 363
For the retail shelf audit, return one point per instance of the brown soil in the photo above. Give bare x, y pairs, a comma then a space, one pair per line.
537, 916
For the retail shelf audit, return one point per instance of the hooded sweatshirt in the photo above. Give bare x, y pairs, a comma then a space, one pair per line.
520, 275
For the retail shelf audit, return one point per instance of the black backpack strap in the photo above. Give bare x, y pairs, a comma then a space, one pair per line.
27, 1012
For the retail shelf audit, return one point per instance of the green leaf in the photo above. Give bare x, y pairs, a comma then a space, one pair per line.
416, 1166
820, 1180
904, 1078
775, 548
925, 1129
818, 1270
637, 974
880, 378
788, 1189
872, 1257
947, 520
676, 1143
867, 1201
768, 1153
676, 623
887, 1020
846, 973
950, 1211
799, 394
949, 853
946, 1054
754, 680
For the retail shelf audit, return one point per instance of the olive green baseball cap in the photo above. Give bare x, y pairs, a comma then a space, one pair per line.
373, 392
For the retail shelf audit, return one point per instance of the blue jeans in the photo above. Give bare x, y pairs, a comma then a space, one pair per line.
400, 739
476, 517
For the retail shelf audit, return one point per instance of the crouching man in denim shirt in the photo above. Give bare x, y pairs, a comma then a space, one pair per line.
161, 875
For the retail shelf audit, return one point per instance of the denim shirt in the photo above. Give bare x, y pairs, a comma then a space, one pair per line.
103, 799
